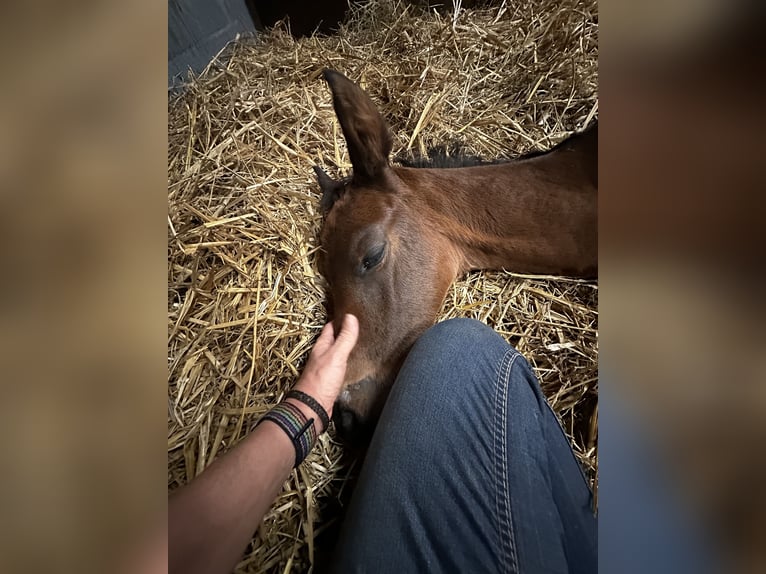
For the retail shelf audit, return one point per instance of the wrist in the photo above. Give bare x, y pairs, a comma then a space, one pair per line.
309, 413
308, 386
300, 429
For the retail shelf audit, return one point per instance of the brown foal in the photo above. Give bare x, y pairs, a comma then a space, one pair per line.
394, 238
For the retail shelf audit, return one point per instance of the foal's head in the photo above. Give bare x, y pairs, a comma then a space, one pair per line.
383, 263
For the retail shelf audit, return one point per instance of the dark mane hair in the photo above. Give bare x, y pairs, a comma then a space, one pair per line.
455, 155
444, 156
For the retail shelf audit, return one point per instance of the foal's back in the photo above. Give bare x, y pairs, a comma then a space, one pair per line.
537, 214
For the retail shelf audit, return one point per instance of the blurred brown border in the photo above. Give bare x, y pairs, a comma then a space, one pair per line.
681, 247
83, 212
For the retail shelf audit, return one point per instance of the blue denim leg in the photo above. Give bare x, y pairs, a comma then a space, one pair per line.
468, 470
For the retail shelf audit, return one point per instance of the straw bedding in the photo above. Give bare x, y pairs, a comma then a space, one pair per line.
245, 301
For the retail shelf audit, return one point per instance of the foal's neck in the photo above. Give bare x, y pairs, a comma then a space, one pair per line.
536, 215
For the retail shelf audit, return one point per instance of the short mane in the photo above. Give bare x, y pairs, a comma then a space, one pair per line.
455, 155
444, 156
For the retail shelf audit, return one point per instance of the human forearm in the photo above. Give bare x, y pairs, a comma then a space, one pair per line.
211, 520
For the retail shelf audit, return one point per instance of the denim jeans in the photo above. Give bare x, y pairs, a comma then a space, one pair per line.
468, 469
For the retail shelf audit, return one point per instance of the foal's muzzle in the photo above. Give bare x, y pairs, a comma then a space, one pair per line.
355, 413
351, 427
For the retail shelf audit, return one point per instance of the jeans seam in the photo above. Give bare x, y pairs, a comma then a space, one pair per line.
571, 446
509, 558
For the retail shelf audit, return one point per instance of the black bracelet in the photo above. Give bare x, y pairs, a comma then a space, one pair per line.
310, 402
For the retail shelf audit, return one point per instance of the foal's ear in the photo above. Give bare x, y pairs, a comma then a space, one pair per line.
331, 189
367, 136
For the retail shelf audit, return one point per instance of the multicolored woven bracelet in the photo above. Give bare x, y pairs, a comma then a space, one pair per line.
311, 403
301, 430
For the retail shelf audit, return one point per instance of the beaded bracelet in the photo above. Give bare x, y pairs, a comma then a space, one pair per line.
298, 428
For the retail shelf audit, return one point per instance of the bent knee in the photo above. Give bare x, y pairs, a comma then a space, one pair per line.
461, 330
457, 341
457, 361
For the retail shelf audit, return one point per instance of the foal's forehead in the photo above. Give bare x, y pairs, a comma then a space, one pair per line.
355, 225
359, 209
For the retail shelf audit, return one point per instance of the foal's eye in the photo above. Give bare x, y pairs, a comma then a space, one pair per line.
373, 257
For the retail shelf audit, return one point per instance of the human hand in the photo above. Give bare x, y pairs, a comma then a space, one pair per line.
325, 370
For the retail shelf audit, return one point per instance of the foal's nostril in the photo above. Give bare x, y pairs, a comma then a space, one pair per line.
345, 419
351, 428
354, 415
